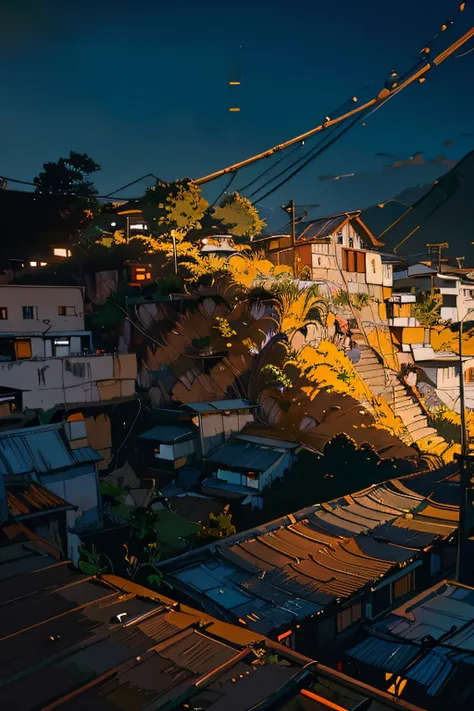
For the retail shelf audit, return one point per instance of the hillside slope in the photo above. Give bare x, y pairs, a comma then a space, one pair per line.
443, 213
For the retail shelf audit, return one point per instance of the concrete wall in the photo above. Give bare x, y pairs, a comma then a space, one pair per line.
219, 428
45, 300
79, 487
55, 381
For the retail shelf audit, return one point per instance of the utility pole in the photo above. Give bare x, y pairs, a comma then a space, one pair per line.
466, 511
290, 208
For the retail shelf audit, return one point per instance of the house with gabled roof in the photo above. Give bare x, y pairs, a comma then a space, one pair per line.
338, 252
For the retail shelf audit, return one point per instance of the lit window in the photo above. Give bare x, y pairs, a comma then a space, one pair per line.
3, 313
403, 586
28, 312
140, 277
23, 348
33, 264
43, 264
61, 252
138, 226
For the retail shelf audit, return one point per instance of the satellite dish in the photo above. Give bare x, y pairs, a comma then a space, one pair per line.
470, 276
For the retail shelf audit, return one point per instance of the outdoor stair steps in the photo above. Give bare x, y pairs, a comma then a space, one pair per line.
416, 425
385, 383
425, 432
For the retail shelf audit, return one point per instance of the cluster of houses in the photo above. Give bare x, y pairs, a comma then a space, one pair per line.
359, 582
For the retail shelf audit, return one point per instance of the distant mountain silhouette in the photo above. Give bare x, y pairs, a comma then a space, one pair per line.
442, 212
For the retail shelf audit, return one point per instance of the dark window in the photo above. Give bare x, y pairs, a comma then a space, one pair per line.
435, 563
28, 312
3, 313
66, 311
347, 617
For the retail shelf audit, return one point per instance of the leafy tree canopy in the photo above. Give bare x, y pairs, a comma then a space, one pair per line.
237, 213
174, 207
68, 176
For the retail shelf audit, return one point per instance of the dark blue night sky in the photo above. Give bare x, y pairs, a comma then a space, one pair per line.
143, 87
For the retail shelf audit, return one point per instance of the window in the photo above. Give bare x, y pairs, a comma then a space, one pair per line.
347, 617
22, 348
353, 261
435, 563
28, 312
3, 313
403, 586
61, 252
351, 242
468, 376
66, 311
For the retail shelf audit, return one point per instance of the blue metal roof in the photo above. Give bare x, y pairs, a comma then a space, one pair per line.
167, 433
41, 450
34, 449
85, 454
246, 455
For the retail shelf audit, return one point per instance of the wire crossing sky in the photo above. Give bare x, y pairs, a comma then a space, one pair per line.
146, 90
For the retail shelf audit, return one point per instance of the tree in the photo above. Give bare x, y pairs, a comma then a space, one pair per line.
239, 216
68, 177
174, 209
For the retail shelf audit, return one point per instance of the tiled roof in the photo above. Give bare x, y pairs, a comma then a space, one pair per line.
32, 498
329, 552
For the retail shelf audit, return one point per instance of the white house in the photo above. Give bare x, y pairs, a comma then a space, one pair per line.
245, 465
42, 321
216, 421
456, 290
442, 370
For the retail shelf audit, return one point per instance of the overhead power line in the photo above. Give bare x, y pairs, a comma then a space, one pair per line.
416, 74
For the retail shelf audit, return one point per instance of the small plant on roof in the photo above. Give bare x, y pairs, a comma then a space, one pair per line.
91, 561
218, 527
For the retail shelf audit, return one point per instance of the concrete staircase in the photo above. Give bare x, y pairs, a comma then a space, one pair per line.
384, 383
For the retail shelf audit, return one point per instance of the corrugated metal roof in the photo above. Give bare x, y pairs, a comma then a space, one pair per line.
444, 612
34, 449
246, 455
319, 229
82, 455
218, 405
167, 433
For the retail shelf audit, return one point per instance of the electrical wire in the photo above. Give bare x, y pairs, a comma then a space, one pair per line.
225, 189
272, 167
138, 180
318, 153
292, 165
129, 431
